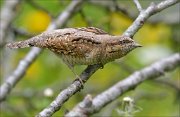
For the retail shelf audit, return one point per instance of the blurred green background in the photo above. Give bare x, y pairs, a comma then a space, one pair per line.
48, 75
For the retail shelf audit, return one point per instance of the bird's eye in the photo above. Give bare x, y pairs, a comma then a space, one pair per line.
124, 41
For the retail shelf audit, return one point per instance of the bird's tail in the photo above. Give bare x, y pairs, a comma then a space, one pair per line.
20, 44
23, 44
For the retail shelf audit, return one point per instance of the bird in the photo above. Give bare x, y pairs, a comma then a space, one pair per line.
81, 46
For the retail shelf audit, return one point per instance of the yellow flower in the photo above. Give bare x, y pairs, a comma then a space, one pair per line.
37, 21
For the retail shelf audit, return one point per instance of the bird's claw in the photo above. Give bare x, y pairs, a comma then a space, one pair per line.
81, 82
101, 65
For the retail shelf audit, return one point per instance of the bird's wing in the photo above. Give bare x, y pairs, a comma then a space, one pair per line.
93, 30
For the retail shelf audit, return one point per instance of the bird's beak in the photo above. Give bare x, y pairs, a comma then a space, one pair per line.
138, 45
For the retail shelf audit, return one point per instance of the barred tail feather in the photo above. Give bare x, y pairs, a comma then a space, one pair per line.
20, 44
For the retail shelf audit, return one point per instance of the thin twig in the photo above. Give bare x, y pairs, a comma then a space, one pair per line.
115, 7
153, 71
138, 5
119, 8
143, 16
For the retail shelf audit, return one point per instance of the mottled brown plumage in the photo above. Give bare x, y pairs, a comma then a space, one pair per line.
82, 46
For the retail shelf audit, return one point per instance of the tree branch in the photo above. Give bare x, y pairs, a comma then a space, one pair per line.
144, 15
24, 64
68, 92
8, 12
115, 7
153, 71
138, 5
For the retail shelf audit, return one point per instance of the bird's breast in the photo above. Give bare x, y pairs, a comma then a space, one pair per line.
75, 60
